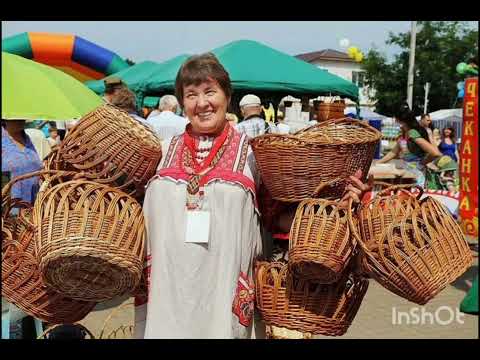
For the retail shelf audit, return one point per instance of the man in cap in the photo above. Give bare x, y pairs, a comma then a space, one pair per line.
253, 124
112, 85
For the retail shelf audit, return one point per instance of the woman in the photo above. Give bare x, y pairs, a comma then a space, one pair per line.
202, 220
448, 145
19, 157
420, 150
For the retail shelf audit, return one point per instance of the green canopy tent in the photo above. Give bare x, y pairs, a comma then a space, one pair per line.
139, 74
132, 76
269, 73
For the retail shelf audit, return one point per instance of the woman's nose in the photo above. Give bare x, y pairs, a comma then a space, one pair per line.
202, 101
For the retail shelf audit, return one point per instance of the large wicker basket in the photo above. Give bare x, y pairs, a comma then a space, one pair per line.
417, 251
21, 278
111, 148
90, 240
320, 245
315, 162
307, 306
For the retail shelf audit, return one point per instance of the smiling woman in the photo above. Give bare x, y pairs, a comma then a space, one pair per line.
203, 245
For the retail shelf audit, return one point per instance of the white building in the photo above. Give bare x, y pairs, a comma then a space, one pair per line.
340, 64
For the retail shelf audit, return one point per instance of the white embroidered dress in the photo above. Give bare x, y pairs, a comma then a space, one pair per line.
192, 286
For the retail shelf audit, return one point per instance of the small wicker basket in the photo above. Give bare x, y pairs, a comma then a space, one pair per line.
307, 306
320, 245
333, 110
317, 161
415, 249
90, 240
111, 148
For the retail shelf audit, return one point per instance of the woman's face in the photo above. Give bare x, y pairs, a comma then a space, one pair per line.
205, 105
447, 132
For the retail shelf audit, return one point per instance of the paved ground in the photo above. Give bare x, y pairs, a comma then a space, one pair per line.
373, 321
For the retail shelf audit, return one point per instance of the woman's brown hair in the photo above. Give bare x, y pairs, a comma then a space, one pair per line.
198, 69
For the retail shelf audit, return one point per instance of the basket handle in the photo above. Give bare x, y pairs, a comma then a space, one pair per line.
324, 184
42, 335
399, 187
353, 227
6, 189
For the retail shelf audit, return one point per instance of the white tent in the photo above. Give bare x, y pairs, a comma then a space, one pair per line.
365, 113
451, 115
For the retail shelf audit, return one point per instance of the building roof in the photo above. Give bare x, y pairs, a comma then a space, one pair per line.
326, 54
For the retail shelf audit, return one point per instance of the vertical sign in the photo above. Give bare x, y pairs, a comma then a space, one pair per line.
468, 208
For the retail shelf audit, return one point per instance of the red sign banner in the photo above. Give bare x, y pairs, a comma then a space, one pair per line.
468, 207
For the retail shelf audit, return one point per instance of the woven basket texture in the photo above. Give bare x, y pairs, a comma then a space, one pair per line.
320, 244
90, 240
307, 306
412, 247
112, 148
21, 278
315, 162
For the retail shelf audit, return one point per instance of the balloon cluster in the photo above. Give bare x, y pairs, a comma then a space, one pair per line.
354, 53
464, 69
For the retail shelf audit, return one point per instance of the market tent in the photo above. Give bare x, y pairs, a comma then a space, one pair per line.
132, 76
163, 79
255, 67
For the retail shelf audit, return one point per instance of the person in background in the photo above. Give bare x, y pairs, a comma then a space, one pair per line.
253, 123
167, 123
426, 123
448, 144
112, 85
124, 99
19, 157
420, 150
54, 138
232, 119
437, 138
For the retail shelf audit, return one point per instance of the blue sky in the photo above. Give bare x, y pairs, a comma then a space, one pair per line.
161, 40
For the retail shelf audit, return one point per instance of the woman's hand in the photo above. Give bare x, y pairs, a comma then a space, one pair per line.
356, 189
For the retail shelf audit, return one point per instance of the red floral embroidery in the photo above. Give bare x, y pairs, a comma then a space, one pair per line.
243, 303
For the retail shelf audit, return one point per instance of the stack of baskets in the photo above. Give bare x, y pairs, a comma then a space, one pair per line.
412, 247
318, 290
22, 282
84, 241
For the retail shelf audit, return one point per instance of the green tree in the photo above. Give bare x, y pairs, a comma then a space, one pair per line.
440, 46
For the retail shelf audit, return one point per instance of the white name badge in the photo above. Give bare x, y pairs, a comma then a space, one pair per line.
198, 226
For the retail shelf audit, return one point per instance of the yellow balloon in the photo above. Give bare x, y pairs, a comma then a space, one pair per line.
352, 51
358, 57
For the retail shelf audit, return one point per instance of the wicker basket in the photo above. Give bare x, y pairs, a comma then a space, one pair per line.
304, 305
90, 240
417, 251
21, 279
320, 245
315, 162
333, 110
111, 148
